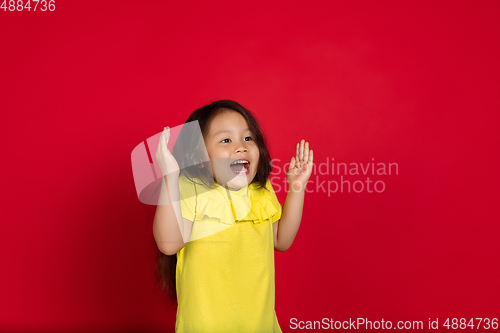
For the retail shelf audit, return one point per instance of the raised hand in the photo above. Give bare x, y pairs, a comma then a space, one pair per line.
300, 167
165, 159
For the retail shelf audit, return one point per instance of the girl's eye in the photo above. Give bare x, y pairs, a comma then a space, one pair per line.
248, 137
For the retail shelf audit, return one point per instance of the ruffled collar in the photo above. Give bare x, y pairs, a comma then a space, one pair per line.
226, 206
241, 194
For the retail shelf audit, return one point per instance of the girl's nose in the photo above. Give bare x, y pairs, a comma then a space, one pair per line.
241, 149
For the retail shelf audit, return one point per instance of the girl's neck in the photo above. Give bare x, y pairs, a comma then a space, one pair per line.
230, 188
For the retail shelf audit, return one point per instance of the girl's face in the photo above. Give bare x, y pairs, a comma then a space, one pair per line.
229, 139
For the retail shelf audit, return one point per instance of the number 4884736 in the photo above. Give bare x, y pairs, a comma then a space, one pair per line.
28, 5
462, 323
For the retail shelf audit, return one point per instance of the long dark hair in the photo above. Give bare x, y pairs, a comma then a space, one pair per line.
192, 167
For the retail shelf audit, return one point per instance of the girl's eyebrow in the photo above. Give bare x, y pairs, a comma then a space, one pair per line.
227, 131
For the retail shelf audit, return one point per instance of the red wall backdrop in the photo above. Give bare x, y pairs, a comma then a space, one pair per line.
415, 84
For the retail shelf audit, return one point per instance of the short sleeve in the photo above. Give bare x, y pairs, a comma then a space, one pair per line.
277, 216
204, 208
202, 204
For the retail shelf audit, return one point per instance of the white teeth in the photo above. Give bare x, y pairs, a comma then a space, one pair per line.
239, 162
245, 168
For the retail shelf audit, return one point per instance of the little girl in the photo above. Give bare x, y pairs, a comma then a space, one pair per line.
221, 221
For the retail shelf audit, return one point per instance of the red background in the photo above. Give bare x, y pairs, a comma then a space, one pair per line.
415, 84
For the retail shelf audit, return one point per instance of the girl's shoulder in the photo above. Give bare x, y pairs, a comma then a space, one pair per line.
265, 204
259, 192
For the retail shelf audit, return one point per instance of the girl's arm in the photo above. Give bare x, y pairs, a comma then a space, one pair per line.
171, 231
286, 228
298, 174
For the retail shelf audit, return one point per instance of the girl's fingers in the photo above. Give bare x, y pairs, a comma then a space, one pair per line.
159, 147
163, 139
301, 150
306, 152
168, 134
297, 151
159, 153
292, 163
311, 156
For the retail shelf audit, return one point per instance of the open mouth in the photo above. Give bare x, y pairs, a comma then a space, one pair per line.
240, 167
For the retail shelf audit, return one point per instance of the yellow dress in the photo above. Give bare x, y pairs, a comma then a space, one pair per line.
225, 273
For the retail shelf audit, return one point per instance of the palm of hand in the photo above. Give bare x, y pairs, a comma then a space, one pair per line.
300, 167
164, 157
